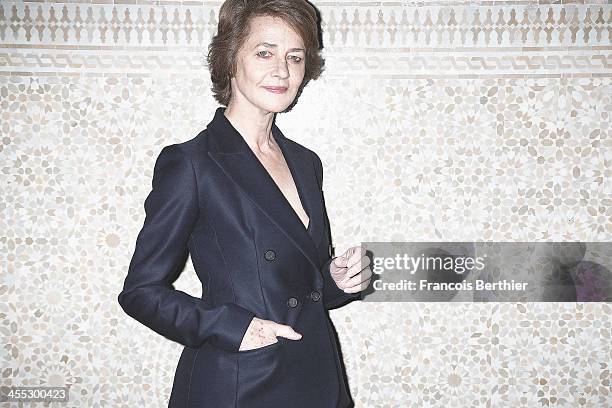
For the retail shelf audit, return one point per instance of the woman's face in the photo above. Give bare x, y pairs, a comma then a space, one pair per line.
270, 66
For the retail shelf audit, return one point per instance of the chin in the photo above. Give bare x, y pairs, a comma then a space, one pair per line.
275, 105
276, 108
279, 109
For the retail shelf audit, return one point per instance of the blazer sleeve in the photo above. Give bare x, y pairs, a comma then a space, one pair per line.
333, 296
160, 253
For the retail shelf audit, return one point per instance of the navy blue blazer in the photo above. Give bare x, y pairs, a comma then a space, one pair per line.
212, 198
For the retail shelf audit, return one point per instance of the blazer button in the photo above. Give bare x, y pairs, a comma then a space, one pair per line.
292, 302
270, 255
315, 295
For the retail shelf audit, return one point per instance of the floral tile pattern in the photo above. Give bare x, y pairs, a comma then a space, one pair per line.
435, 120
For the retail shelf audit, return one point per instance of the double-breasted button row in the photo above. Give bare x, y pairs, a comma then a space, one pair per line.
270, 255
315, 295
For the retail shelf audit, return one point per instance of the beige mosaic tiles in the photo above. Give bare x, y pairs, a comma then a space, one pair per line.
442, 120
365, 38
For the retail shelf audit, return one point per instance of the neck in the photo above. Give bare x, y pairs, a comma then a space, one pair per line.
254, 125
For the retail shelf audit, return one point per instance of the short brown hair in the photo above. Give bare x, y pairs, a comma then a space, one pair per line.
233, 29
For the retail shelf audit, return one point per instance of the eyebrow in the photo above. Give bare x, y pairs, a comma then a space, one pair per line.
269, 45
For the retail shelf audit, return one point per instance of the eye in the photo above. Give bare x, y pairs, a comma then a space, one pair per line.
295, 59
263, 53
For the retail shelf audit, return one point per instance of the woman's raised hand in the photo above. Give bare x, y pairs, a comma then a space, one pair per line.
351, 271
263, 332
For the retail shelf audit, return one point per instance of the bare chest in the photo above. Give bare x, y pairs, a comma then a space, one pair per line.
279, 171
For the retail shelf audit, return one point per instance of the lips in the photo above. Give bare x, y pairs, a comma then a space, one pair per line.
276, 89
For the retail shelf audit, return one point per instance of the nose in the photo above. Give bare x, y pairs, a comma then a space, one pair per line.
281, 69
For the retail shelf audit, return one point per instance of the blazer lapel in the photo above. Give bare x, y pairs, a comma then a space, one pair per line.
231, 152
302, 169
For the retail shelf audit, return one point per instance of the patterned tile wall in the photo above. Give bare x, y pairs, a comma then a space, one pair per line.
435, 120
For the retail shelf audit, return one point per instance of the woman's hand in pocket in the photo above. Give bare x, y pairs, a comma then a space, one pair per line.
261, 333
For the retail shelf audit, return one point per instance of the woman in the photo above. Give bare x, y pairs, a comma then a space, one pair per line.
247, 203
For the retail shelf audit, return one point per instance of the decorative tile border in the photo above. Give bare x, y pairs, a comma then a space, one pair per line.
386, 25
453, 40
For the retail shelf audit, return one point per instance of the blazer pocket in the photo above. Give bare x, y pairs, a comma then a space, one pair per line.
262, 375
261, 350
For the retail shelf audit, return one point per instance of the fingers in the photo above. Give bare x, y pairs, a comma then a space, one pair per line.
359, 282
286, 331
358, 266
335, 264
350, 257
358, 276
357, 271
356, 257
258, 334
262, 332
